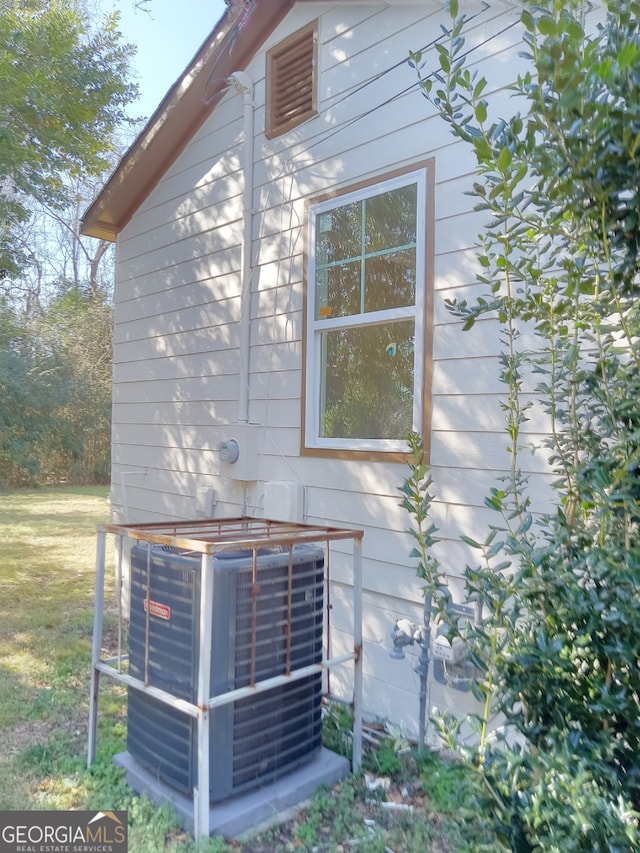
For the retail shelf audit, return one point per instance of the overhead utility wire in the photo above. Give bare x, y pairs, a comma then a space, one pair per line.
398, 64
404, 91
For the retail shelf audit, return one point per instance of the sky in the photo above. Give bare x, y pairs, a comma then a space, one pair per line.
167, 38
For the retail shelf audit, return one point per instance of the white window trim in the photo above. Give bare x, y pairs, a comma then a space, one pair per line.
314, 328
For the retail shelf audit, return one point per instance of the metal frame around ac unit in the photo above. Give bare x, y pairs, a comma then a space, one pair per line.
209, 537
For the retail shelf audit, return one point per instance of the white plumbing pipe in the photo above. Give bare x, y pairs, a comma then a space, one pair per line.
244, 85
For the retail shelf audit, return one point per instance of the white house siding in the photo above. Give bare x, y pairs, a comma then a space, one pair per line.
176, 371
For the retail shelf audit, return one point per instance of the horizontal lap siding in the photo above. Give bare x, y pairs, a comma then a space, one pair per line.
176, 371
185, 414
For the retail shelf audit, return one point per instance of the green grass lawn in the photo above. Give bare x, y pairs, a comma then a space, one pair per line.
47, 569
47, 588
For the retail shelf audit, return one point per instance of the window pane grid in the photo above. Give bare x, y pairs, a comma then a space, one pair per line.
372, 318
351, 237
364, 257
379, 404
364, 350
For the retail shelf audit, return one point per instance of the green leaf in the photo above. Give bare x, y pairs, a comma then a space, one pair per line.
495, 549
484, 152
505, 159
547, 26
627, 55
481, 112
527, 20
480, 87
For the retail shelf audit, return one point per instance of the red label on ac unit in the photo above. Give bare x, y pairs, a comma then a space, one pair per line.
162, 611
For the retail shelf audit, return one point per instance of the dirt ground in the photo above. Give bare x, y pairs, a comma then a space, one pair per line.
391, 813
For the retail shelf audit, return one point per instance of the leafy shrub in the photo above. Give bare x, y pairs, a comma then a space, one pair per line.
337, 729
558, 647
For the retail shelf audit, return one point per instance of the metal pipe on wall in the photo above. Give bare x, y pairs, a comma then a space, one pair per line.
243, 84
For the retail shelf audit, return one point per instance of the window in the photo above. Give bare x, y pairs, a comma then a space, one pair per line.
367, 340
291, 82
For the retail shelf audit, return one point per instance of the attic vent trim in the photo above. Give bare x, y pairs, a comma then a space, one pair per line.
292, 81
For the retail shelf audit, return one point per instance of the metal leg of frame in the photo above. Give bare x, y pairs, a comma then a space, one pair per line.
357, 643
201, 795
96, 647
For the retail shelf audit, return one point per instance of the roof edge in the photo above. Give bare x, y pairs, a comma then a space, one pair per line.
179, 115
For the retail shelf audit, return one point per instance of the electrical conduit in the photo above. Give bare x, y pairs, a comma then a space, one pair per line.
244, 85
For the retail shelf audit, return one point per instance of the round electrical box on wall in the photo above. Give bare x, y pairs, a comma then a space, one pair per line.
229, 451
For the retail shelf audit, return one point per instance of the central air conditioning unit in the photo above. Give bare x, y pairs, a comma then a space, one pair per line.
253, 741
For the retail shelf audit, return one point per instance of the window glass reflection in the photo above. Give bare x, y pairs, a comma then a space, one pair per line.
368, 378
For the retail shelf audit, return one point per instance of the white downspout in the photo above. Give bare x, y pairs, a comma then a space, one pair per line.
244, 85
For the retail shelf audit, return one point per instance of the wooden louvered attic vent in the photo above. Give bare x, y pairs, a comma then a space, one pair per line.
291, 81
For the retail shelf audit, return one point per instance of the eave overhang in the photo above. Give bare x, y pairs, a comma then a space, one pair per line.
188, 104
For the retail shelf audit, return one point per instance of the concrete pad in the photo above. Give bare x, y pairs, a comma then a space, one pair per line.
246, 811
